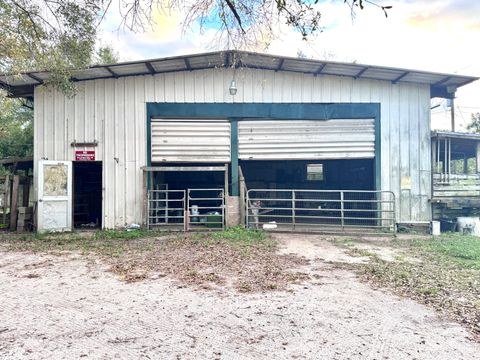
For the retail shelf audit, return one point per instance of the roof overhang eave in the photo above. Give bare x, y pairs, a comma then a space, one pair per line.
445, 85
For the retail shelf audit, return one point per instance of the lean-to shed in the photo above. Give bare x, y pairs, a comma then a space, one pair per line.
236, 122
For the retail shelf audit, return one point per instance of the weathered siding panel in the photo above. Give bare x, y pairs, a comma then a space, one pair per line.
118, 182
109, 163
425, 161
113, 112
405, 193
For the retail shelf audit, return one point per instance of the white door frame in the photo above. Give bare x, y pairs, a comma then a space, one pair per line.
42, 223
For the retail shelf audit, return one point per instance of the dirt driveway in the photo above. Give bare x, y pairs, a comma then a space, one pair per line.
70, 307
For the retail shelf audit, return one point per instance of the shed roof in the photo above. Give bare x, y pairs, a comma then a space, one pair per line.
455, 135
442, 85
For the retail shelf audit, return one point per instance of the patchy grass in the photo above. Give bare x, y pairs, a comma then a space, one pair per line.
444, 275
243, 240
461, 250
104, 243
244, 259
241, 258
356, 252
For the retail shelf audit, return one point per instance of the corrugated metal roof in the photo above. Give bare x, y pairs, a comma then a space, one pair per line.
442, 85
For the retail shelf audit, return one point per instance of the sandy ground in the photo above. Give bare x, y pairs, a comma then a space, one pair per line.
70, 307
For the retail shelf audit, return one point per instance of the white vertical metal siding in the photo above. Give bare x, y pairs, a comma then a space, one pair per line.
306, 139
113, 112
190, 141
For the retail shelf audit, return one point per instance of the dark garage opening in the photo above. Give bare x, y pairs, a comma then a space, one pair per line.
355, 174
87, 194
305, 193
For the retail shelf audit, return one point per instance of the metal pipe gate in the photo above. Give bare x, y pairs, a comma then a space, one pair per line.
206, 209
191, 209
166, 208
330, 211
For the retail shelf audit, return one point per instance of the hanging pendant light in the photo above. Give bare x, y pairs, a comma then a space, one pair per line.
233, 87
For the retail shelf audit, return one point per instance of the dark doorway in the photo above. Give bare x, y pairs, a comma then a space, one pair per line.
87, 194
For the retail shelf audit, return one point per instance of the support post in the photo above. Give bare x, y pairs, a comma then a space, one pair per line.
14, 203
452, 113
26, 192
478, 157
449, 158
439, 169
227, 176
145, 199
242, 196
6, 197
342, 212
293, 208
445, 160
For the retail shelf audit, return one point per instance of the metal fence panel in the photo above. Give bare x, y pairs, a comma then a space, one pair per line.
206, 209
321, 210
191, 209
166, 208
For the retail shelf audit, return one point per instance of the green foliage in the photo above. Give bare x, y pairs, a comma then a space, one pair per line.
106, 55
127, 235
443, 272
104, 242
475, 123
58, 36
462, 250
16, 129
238, 235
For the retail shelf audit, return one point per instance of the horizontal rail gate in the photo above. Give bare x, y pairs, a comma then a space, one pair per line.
166, 208
321, 210
191, 209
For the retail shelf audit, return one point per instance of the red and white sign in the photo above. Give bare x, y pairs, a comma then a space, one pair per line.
84, 155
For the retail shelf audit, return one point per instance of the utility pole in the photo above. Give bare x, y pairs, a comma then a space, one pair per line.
452, 112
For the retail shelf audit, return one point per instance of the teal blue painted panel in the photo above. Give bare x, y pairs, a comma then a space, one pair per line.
291, 111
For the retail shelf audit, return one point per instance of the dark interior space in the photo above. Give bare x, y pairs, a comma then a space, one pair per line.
309, 193
354, 174
200, 190
183, 180
87, 194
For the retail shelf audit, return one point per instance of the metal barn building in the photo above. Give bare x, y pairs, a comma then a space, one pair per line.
215, 139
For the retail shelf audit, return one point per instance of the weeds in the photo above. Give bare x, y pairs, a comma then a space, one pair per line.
127, 235
444, 273
105, 243
246, 257
461, 250
356, 252
235, 236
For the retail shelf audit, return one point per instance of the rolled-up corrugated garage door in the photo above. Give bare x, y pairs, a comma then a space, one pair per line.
190, 141
306, 139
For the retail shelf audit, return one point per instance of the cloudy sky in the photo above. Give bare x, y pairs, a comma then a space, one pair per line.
434, 35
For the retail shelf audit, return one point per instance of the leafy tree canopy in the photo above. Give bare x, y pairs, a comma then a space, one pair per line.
16, 128
475, 123
55, 35
59, 35
105, 55
16, 116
